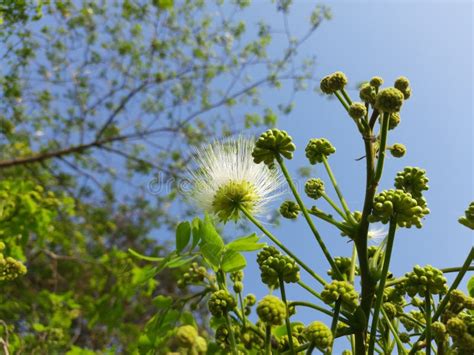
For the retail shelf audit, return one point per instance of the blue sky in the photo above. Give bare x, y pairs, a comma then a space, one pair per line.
430, 42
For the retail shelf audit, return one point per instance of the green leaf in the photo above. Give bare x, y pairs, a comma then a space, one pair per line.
183, 235
233, 261
209, 234
162, 302
247, 243
179, 261
212, 253
470, 286
164, 4
144, 257
196, 229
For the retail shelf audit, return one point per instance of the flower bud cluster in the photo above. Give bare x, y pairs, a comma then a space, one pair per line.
368, 93
186, 336
273, 143
271, 310
461, 330
236, 278
10, 268
314, 188
249, 339
357, 110
220, 303
223, 335
398, 150
403, 85
468, 218
425, 279
318, 149
344, 265
341, 290
194, 275
319, 334
289, 209
411, 325
273, 266
284, 344
439, 332
333, 82
408, 210
412, 180
389, 100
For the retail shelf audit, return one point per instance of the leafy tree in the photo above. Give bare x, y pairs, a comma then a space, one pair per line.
100, 103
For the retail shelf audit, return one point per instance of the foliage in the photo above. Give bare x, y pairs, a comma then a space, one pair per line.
373, 309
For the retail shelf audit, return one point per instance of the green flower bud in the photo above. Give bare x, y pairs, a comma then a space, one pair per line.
223, 335
367, 93
468, 218
376, 81
457, 299
273, 266
412, 180
319, 334
314, 188
456, 327
333, 82
237, 276
317, 149
423, 279
250, 339
341, 290
271, 310
250, 299
409, 324
357, 110
390, 309
344, 265
186, 336
398, 150
200, 345
2, 246
404, 337
220, 303
284, 344
465, 344
272, 143
408, 210
403, 85
469, 303
238, 287
389, 100
394, 120
438, 331
10, 268
289, 209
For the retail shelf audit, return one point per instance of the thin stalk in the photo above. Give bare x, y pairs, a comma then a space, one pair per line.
335, 319
353, 264
287, 316
310, 290
328, 218
342, 101
444, 301
282, 247
318, 308
244, 325
381, 286
338, 191
231, 335
308, 218
401, 348
428, 322
333, 205
298, 349
268, 340
346, 96
310, 348
383, 146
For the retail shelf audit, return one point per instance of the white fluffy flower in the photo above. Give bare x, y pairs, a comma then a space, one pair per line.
227, 179
377, 235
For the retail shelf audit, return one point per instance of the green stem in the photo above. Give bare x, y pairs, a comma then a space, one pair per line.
353, 264
268, 340
342, 101
381, 286
382, 148
310, 290
333, 205
346, 96
287, 316
428, 322
338, 191
231, 335
328, 218
308, 218
282, 247
335, 319
401, 348
310, 348
316, 307
244, 325
444, 302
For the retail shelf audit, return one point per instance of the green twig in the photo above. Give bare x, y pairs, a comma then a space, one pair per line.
382, 148
231, 335
287, 316
308, 218
381, 285
334, 322
342, 101
282, 247
346, 96
428, 322
268, 340
401, 348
